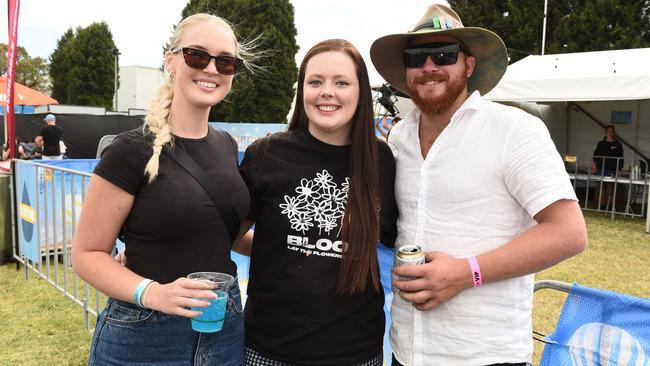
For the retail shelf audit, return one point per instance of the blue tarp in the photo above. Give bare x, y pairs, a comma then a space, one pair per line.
19, 109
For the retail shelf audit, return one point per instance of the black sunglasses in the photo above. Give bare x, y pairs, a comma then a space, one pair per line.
441, 54
197, 59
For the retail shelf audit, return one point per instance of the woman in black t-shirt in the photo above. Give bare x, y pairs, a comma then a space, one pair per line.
321, 195
168, 222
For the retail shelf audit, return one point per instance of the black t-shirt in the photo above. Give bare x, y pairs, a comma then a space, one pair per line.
51, 137
298, 188
174, 228
608, 148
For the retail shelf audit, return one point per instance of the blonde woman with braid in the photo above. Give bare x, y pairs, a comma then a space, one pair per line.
168, 222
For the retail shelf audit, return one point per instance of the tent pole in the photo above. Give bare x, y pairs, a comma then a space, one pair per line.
544, 26
567, 130
647, 215
638, 123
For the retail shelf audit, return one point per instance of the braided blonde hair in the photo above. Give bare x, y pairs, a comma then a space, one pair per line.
157, 120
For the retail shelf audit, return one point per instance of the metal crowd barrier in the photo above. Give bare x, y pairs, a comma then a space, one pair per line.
619, 192
49, 196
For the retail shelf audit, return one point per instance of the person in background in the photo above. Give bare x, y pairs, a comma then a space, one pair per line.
63, 148
37, 152
608, 154
608, 162
481, 187
321, 198
169, 224
19, 151
388, 126
51, 134
31, 148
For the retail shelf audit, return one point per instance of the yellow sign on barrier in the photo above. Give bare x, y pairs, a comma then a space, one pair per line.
27, 213
47, 175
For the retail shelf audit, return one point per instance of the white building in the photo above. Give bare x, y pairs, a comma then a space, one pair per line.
137, 87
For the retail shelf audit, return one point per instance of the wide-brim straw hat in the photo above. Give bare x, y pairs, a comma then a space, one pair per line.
487, 47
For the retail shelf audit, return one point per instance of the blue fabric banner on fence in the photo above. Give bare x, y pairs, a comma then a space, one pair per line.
245, 133
599, 327
28, 241
45, 204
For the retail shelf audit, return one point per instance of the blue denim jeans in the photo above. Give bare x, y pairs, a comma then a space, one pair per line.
126, 335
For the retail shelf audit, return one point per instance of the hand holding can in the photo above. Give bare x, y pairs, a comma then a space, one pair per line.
408, 254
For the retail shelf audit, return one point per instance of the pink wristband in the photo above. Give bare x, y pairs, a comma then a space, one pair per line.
477, 277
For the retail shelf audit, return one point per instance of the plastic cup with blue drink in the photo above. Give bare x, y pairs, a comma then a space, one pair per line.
211, 319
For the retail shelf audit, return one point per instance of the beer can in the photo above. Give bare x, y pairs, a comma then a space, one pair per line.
410, 254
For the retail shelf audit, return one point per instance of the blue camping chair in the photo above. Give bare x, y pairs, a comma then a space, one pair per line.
598, 328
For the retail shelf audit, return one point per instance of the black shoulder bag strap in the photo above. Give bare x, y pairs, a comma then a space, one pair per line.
227, 211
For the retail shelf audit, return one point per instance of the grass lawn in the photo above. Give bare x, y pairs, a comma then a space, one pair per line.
42, 327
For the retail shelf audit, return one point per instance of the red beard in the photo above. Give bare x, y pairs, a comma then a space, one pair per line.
435, 105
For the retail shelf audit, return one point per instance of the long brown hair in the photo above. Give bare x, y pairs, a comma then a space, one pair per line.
360, 229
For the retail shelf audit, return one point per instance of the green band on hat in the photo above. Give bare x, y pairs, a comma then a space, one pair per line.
436, 23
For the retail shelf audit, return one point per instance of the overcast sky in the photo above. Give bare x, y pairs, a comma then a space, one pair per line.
141, 27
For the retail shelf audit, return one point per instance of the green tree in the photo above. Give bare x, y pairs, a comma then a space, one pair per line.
596, 25
30, 71
83, 68
265, 96
571, 25
60, 66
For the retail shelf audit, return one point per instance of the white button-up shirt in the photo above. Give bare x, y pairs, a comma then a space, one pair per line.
488, 173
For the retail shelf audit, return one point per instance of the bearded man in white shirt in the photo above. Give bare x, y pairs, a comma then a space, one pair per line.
481, 188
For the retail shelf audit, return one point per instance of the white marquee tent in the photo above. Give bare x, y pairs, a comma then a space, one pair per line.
570, 91
577, 93
586, 76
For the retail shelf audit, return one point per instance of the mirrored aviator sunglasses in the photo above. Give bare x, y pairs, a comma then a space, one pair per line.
198, 59
441, 54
